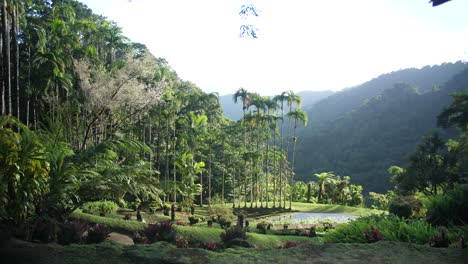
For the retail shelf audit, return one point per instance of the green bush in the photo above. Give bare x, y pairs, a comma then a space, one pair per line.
406, 207
235, 232
450, 208
222, 214
101, 208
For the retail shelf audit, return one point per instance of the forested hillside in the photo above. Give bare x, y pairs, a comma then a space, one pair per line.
234, 112
364, 130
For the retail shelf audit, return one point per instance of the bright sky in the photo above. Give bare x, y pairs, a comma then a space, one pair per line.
301, 45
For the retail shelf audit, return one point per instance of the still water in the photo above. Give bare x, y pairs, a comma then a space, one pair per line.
312, 218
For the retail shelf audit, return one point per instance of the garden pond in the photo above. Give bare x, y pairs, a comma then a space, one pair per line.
311, 218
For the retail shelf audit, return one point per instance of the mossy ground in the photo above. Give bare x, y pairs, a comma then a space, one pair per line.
381, 252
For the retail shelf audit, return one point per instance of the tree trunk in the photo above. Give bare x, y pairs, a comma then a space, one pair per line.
173, 159
274, 170
6, 60
292, 165
201, 184
15, 79
2, 82
209, 180
281, 161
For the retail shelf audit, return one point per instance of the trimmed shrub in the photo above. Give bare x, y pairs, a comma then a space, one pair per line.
163, 231
263, 227
193, 220
405, 206
101, 208
235, 232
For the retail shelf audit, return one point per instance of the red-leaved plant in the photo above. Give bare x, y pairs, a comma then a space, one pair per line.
181, 242
374, 235
163, 231
210, 246
441, 239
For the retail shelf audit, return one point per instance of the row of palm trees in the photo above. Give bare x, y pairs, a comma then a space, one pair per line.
262, 121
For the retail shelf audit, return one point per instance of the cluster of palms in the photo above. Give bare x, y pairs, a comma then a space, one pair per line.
331, 189
266, 161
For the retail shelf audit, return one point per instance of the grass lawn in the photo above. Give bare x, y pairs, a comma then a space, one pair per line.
199, 233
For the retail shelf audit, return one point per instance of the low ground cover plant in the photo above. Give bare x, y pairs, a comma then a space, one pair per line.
374, 228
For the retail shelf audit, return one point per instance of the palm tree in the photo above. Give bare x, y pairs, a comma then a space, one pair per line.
259, 103
293, 98
270, 105
244, 95
283, 97
297, 115
323, 178
275, 131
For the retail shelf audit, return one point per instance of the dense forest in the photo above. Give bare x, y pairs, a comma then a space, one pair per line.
362, 131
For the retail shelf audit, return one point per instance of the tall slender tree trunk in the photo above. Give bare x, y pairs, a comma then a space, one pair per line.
251, 172
2, 81
28, 97
267, 164
174, 158
168, 149
292, 165
209, 180
274, 170
16, 87
222, 173
245, 158
281, 161
6, 60
201, 183
287, 155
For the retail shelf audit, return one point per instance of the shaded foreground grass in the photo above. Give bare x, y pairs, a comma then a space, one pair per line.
381, 252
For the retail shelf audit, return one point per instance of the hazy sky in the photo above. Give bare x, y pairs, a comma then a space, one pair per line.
301, 45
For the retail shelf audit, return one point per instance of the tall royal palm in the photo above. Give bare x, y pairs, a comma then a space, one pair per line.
282, 98
244, 96
293, 99
260, 108
297, 115
270, 105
